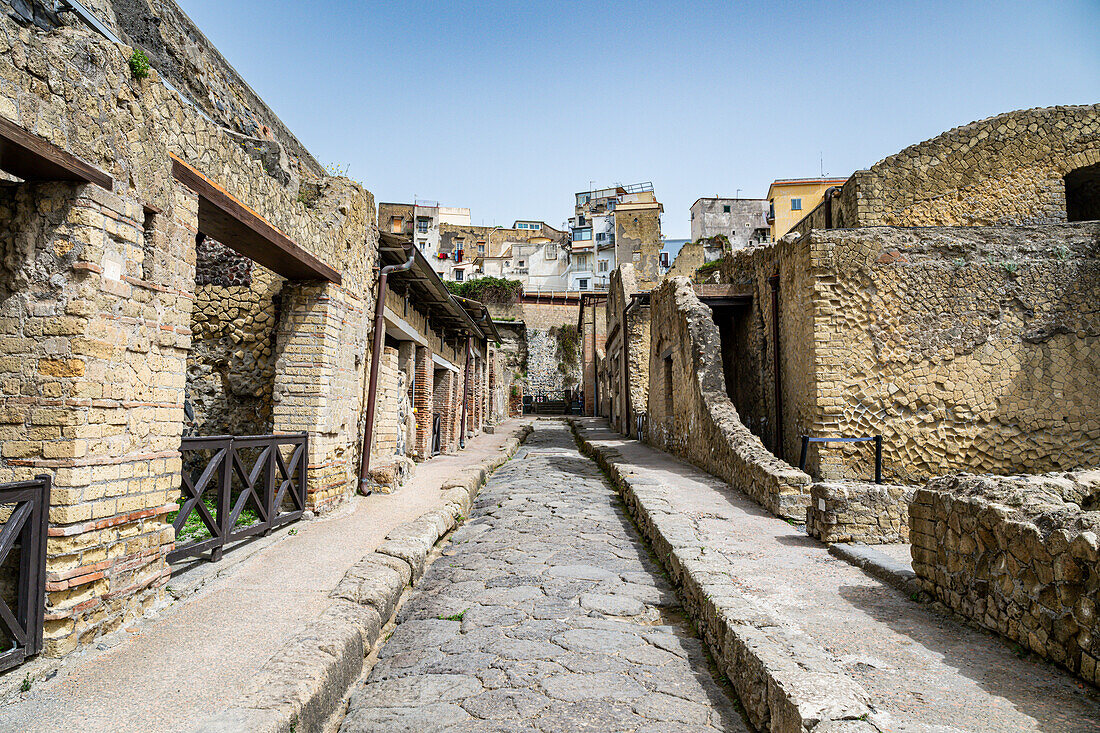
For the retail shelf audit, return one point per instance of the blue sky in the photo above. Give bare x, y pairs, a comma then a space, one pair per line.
510, 108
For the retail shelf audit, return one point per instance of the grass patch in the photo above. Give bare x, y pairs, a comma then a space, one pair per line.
194, 529
453, 617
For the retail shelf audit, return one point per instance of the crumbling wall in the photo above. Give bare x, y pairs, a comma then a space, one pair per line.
855, 511
1005, 170
690, 414
1018, 555
966, 348
97, 317
230, 370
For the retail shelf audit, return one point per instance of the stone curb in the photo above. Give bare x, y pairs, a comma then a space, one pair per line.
786, 683
878, 565
300, 687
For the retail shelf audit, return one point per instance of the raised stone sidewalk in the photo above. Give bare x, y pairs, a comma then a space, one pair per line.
812, 643
272, 641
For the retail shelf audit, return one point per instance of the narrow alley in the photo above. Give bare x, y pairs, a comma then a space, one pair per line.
545, 612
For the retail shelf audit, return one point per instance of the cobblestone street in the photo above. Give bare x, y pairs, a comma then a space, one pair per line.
545, 612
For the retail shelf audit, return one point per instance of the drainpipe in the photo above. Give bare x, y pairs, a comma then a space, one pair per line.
375, 356
830, 194
778, 381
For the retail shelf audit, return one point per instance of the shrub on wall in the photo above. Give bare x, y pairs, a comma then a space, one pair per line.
487, 289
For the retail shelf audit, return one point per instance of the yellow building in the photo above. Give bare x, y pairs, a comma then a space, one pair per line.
791, 199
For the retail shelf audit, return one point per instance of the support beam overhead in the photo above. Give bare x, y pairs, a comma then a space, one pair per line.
230, 222
33, 159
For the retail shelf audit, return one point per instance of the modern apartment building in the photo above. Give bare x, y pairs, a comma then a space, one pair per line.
610, 226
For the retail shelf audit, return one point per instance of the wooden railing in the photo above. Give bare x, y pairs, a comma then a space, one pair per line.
24, 512
234, 487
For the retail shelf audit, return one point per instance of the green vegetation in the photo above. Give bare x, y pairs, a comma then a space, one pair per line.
194, 529
487, 289
455, 617
26, 684
139, 64
569, 341
710, 266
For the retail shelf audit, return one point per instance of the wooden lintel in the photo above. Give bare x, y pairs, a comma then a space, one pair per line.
33, 159
225, 219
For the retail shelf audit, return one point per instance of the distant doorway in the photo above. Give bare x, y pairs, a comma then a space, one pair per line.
1083, 193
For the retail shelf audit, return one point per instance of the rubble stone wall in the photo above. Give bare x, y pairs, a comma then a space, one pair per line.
627, 354
966, 348
96, 303
1006, 170
1018, 555
851, 511
690, 415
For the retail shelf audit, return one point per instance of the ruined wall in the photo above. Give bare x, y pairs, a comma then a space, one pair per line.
967, 349
191, 63
690, 415
638, 240
230, 371
546, 372
1017, 555
98, 323
627, 351
512, 366
854, 511
1005, 170
688, 260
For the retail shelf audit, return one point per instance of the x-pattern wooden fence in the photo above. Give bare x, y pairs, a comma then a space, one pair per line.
240, 474
25, 509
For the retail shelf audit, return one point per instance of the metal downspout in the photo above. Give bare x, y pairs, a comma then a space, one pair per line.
375, 357
830, 194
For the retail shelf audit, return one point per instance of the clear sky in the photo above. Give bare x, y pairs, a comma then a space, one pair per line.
510, 107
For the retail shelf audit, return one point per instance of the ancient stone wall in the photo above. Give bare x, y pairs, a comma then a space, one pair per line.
853, 511
1018, 555
546, 372
690, 414
187, 59
689, 259
96, 309
512, 365
967, 349
627, 351
1006, 170
638, 240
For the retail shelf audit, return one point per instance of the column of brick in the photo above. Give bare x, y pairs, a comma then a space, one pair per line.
492, 392
423, 401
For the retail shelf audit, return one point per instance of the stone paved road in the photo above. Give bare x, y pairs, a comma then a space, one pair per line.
545, 613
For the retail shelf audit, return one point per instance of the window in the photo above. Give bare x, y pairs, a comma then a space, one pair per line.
580, 220
582, 235
601, 236
397, 224
422, 244
726, 209
664, 259
583, 198
480, 248
422, 224
458, 275
582, 284
551, 251
611, 204
521, 263
603, 265
796, 204
535, 226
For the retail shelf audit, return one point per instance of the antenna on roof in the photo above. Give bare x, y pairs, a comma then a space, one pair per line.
821, 162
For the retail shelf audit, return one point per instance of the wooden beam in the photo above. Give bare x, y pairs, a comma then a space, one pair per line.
33, 159
232, 223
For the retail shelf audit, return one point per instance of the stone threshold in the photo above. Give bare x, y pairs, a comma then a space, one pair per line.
303, 686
